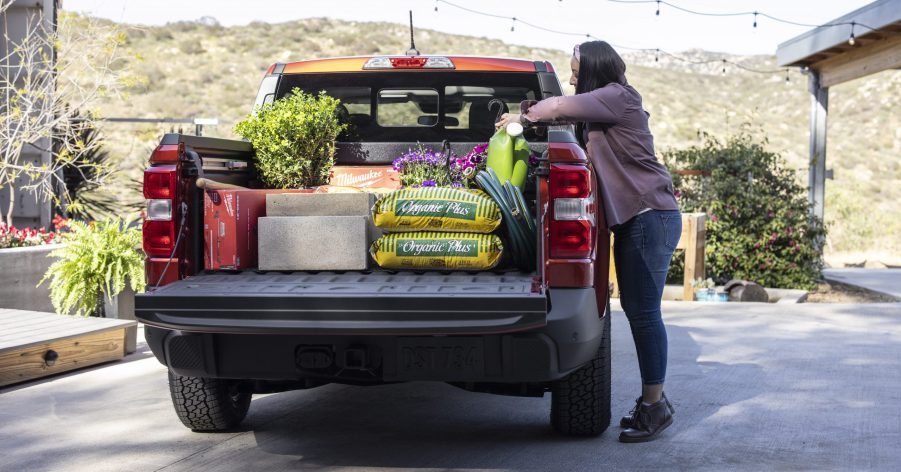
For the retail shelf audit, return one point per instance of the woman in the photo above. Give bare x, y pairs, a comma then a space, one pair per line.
640, 207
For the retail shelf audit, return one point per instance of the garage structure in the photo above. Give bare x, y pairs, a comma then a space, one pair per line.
15, 21
861, 43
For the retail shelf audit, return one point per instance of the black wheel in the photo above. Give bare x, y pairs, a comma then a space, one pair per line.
580, 402
208, 404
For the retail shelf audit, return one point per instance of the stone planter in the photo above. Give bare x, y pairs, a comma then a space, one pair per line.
21, 269
123, 307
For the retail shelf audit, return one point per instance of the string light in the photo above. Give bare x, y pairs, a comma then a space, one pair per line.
589, 36
787, 77
436, 5
742, 13
851, 38
755, 20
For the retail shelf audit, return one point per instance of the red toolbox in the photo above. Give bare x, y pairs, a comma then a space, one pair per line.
230, 227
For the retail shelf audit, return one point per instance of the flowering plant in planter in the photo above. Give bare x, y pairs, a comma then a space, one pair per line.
464, 170
10, 236
423, 167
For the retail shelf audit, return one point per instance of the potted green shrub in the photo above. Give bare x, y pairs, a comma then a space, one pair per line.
97, 261
294, 138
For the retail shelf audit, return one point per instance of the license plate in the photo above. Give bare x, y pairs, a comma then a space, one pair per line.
441, 358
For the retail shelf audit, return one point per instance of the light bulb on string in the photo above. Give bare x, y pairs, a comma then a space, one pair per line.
657, 55
755, 22
724, 67
787, 77
513, 25
658, 8
436, 5
851, 40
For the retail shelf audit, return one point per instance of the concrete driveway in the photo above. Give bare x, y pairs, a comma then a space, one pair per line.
755, 387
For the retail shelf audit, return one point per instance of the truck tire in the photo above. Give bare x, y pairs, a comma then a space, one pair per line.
207, 404
580, 402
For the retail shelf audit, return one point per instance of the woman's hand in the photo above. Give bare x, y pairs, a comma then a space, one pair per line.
506, 119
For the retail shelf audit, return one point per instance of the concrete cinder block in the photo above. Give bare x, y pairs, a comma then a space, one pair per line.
313, 243
324, 204
319, 204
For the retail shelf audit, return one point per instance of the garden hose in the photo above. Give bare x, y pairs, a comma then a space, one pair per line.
518, 229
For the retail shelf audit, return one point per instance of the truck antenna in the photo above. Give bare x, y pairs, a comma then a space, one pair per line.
412, 51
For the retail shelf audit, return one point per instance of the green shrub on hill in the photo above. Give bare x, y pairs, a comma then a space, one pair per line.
759, 227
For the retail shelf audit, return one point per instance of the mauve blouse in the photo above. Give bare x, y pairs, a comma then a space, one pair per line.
619, 145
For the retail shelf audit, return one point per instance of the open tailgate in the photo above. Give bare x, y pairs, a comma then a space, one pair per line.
347, 303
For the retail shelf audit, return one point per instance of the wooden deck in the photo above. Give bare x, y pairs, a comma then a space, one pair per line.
35, 344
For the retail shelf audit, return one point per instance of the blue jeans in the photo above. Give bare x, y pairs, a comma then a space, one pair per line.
642, 250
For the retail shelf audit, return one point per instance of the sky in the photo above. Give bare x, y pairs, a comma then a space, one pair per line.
627, 25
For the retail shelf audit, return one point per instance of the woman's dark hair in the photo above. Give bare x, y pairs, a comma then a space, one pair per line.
599, 65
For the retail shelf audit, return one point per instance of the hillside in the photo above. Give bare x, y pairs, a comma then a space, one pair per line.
202, 69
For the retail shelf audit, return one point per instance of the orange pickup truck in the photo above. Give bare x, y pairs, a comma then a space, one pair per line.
225, 336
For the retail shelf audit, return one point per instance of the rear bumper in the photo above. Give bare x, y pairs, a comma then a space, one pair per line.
567, 337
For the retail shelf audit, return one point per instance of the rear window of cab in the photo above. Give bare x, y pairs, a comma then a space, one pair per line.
419, 106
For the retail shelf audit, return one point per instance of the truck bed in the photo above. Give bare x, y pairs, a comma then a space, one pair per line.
351, 302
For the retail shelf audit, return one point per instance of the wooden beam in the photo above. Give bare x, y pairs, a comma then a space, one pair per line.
819, 107
693, 239
861, 61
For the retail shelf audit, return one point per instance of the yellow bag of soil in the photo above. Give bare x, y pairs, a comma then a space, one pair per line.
437, 209
426, 250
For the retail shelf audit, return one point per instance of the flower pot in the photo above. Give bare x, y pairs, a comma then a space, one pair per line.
23, 268
122, 307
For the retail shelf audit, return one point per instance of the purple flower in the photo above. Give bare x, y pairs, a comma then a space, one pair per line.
429, 183
456, 184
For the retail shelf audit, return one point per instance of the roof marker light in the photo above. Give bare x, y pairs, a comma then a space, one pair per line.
418, 62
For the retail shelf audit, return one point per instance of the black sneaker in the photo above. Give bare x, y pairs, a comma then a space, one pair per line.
649, 421
628, 420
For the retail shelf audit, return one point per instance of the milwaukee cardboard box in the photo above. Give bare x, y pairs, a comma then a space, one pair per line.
384, 177
230, 220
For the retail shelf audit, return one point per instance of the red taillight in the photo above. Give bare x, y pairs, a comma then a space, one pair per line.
159, 238
571, 239
570, 181
166, 154
159, 227
571, 229
159, 182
